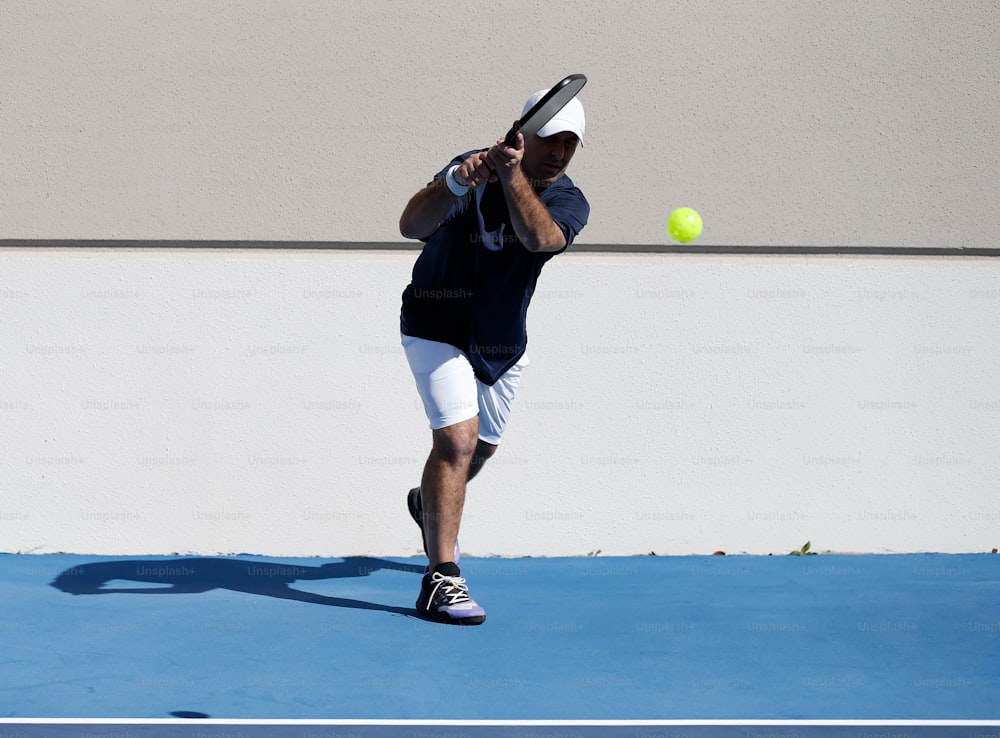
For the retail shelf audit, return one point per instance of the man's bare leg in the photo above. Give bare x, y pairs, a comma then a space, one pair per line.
442, 487
483, 451
456, 456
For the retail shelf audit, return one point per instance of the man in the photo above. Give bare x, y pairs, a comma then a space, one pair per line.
490, 220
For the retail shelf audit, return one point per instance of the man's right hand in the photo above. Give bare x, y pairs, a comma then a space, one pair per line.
475, 171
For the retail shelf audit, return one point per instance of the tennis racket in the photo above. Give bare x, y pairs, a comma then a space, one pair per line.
545, 109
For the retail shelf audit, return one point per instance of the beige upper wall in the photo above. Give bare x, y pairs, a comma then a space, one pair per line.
784, 123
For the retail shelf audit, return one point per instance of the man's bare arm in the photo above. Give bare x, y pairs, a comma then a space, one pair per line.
425, 210
528, 214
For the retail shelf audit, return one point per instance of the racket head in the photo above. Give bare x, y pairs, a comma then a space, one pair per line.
546, 108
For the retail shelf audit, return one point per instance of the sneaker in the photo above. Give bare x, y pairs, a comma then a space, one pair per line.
444, 598
417, 513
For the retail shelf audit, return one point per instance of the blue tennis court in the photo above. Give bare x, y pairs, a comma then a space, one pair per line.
827, 645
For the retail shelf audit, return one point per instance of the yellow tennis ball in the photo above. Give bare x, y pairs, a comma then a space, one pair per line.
684, 225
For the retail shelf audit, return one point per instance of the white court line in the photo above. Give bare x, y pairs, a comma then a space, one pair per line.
480, 723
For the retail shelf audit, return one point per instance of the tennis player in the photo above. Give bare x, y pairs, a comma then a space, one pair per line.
489, 220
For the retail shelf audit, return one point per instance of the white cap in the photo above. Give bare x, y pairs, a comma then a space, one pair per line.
570, 118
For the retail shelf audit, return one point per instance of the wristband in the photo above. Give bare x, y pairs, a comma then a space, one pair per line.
453, 185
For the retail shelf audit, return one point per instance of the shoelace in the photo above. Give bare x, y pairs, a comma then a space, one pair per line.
454, 588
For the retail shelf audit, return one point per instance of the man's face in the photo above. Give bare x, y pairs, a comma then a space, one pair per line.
545, 159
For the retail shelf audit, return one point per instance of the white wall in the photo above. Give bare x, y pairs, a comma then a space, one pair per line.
804, 122
220, 401
215, 402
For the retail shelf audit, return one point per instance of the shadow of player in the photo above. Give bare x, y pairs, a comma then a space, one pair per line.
194, 575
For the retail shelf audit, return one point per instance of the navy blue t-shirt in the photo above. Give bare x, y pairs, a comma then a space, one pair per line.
474, 279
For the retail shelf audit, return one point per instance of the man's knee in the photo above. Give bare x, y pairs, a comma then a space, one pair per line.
457, 443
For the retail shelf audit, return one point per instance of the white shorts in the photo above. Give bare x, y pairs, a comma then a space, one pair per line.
451, 393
